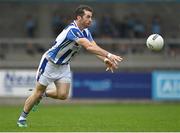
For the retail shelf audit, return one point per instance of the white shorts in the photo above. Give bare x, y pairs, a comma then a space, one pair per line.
49, 72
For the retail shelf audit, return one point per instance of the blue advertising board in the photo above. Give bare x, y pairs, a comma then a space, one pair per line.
107, 85
166, 85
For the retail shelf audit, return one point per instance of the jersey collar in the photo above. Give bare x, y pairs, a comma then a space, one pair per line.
75, 24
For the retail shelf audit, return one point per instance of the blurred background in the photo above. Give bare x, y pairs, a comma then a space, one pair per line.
29, 27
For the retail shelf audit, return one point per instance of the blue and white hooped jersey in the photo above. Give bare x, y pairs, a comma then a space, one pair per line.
65, 46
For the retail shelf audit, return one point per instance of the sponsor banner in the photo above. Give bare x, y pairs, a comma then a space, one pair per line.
18, 82
166, 85
116, 85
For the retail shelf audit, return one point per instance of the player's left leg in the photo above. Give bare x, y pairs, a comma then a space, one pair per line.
62, 84
60, 92
62, 88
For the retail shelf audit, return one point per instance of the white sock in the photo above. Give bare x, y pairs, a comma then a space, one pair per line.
22, 118
23, 115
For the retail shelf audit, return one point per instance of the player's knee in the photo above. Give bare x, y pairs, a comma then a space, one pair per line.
63, 96
38, 94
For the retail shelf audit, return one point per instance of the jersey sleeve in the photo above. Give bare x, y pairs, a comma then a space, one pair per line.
89, 36
74, 34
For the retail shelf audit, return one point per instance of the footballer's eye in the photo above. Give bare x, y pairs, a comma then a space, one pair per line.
88, 16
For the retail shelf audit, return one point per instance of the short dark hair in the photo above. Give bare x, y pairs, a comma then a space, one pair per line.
80, 10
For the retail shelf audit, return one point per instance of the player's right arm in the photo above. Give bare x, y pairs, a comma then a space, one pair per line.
75, 35
95, 49
91, 48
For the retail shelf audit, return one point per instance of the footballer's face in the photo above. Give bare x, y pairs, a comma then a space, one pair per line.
85, 20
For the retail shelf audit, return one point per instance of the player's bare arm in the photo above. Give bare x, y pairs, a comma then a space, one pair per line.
105, 59
109, 64
101, 57
95, 49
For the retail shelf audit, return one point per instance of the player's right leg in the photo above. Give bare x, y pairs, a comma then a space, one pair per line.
41, 85
29, 103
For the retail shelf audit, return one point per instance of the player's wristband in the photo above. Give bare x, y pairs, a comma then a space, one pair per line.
109, 55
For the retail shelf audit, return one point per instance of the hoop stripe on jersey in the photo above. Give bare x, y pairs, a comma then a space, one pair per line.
64, 47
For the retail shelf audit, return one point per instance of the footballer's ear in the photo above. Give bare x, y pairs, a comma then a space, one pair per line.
78, 17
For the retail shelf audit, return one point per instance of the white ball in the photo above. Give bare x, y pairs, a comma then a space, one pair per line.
155, 42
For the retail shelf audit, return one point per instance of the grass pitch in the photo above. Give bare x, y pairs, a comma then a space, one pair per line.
97, 118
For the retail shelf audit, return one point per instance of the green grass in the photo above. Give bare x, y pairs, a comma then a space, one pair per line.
98, 117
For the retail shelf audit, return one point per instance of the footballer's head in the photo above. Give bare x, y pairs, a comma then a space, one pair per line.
83, 15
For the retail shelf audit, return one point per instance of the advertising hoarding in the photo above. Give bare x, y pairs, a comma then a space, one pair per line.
117, 85
166, 85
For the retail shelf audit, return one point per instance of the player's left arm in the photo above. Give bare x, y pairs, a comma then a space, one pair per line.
109, 64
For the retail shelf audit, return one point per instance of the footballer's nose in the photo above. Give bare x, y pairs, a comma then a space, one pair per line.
90, 19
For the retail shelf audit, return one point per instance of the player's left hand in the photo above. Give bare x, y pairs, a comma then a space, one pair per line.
110, 65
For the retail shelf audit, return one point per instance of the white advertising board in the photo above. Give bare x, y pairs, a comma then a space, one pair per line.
18, 82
